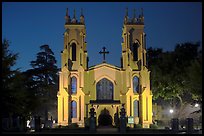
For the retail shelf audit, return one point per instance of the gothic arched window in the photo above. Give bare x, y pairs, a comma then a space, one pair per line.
104, 89
136, 108
73, 52
73, 85
135, 84
73, 109
135, 51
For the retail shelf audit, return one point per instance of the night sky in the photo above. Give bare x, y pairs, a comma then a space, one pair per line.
30, 25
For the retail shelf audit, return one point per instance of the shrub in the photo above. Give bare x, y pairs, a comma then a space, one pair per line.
154, 126
160, 123
73, 125
137, 125
87, 123
63, 126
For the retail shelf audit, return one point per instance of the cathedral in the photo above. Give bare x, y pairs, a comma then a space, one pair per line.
104, 87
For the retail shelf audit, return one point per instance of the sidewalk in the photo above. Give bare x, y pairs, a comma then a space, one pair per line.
109, 130
103, 130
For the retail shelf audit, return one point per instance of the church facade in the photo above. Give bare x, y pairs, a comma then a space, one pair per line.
104, 87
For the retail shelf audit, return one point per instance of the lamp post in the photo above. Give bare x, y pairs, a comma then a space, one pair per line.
196, 105
171, 111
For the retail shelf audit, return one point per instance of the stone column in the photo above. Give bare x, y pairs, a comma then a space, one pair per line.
37, 123
123, 120
92, 123
116, 118
175, 124
189, 125
23, 123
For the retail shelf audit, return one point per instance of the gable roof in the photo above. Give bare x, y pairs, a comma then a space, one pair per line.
105, 65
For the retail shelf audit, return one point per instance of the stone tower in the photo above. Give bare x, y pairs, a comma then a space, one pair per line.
74, 63
133, 62
104, 87
133, 45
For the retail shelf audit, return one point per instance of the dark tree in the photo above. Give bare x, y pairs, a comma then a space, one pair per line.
176, 75
194, 78
43, 80
13, 93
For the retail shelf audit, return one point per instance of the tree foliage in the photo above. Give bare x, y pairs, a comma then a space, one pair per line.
8, 60
14, 94
43, 80
194, 76
33, 91
176, 75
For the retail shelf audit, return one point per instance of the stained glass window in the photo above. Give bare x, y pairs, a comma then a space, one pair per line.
104, 89
73, 109
135, 84
136, 108
73, 85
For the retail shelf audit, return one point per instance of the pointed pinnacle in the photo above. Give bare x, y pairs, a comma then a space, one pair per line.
67, 12
142, 11
74, 13
126, 11
81, 12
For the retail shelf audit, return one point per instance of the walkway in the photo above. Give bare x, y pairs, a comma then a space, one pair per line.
106, 129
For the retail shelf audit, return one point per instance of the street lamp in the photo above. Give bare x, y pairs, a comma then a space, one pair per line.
171, 111
196, 105
171, 116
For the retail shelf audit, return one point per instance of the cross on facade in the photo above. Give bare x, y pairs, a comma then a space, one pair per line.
104, 53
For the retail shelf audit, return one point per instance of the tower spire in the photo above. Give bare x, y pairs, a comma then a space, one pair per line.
74, 17
82, 12
67, 12
134, 19
127, 11
126, 17
67, 18
82, 17
142, 16
74, 14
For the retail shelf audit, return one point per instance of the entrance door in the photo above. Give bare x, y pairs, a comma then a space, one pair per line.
105, 118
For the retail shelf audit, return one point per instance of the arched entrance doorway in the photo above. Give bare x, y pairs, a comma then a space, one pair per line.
105, 118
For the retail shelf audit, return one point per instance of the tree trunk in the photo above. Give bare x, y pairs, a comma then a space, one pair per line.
181, 107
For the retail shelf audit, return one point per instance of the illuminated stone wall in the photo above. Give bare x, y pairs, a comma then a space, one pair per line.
88, 77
